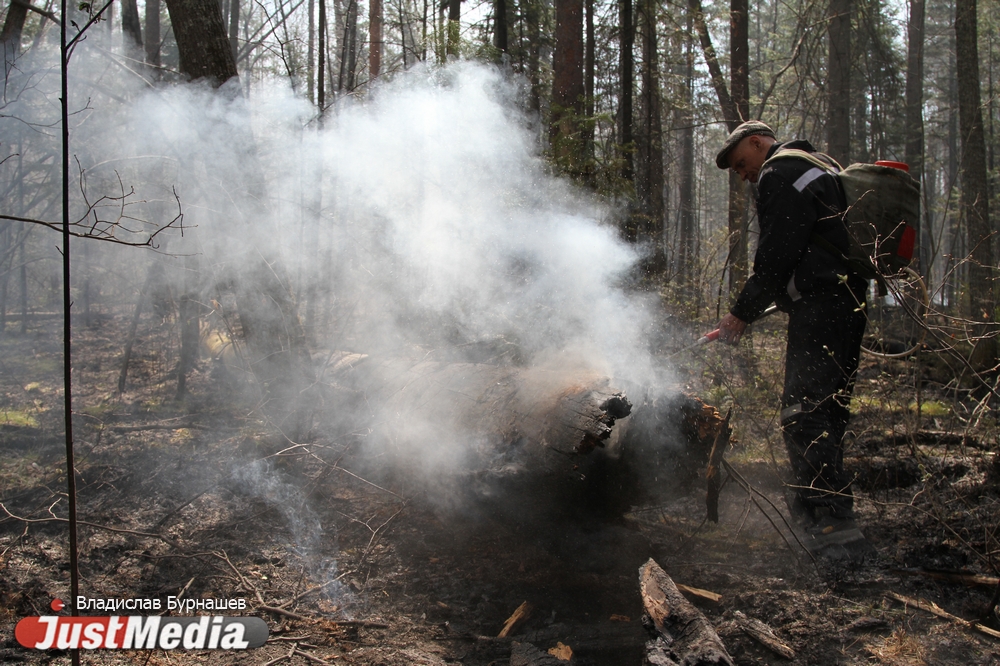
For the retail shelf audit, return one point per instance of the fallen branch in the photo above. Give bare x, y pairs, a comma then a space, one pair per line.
700, 593
968, 579
934, 609
522, 613
714, 463
763, 634
119, 530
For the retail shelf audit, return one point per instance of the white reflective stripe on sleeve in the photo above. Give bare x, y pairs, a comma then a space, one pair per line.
793, 291
808, 177
789, 412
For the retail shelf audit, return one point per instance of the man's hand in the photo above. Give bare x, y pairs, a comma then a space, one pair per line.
731, 329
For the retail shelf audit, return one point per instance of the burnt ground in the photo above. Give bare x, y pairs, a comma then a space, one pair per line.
204, 498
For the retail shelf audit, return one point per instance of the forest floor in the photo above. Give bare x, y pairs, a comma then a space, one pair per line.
203, 498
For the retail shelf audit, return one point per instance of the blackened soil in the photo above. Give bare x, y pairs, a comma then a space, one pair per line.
196, 499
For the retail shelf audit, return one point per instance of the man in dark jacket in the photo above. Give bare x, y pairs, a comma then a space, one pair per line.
799, 203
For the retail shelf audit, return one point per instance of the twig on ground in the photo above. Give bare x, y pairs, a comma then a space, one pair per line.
934, 609
119, 530
753, 492
246, 584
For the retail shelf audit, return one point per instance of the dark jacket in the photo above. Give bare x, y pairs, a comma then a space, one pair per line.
795, 200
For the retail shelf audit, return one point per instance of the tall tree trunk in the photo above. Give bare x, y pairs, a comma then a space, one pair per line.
686, 193
351, 45
374, 38
234, 26
533, 19
13, 26
131, 27
202, 43
24, 287
914, 153
589, 62
626, 66
838, 124
153, 35
454, 26
321, 60
311, 53
739, 82
500, 25
649, 167
729, 112
975, 187
567, 84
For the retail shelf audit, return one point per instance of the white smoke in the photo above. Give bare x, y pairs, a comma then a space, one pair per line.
421, 215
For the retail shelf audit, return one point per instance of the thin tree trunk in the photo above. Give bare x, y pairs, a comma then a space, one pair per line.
151, 276
975, 186
234, 26
351, 44
729, 112
153, 35
13, 27
589, 62
189, 324
374, 38
500, 25
321, 61
626, 66
454, 26
131, 27
533, 19
25, 317
686, 193
739, 81
649, 169
567, 84
914, 154
838, 125
311, 53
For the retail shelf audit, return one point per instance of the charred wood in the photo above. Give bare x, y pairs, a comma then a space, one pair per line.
682, 633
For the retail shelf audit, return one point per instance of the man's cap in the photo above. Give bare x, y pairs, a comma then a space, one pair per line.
749, 128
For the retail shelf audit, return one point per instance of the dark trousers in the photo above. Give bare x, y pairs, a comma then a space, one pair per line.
824, 344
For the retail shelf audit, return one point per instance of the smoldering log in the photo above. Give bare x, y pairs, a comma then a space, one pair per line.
559, 423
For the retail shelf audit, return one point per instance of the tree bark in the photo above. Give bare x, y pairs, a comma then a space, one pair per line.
153, 35
589, 63
739, 81
688, 637
626, 68
687, 251
131, 26
567, 84
500, 25
374, 39
13, 26
454, 26
914, 154
234, 27
729, 112
838, 125
649, 153
202, 42
975, 186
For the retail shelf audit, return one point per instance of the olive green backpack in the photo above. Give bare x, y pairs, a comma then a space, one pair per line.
883, 207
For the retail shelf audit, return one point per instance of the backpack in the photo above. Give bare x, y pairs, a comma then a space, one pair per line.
882, 202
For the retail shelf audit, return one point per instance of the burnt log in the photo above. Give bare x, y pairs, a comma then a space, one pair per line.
558, 427
683, 635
